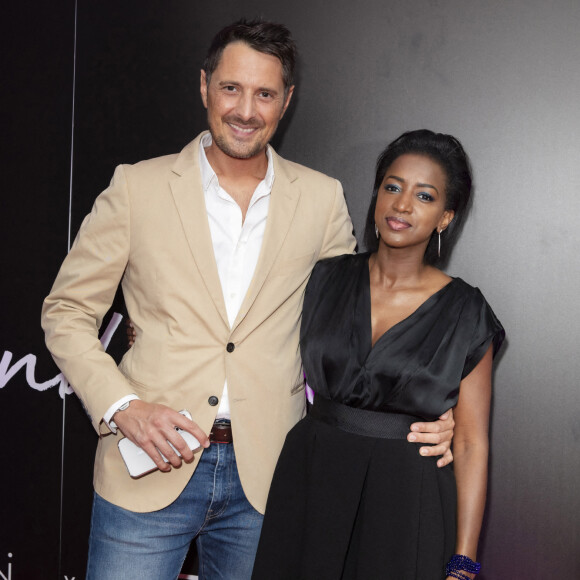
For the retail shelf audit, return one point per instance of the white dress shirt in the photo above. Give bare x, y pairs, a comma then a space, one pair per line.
236, 247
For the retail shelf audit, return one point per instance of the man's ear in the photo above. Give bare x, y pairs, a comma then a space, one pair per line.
203, 87
287, 100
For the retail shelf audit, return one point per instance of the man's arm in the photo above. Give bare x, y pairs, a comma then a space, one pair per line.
338, 236
80, 297
72, 315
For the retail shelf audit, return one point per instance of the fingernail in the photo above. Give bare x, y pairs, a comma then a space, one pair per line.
412, 437
424, 451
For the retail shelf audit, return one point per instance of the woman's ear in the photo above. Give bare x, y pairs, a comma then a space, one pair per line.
445, 220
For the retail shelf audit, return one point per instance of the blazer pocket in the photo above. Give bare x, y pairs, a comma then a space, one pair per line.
303, 263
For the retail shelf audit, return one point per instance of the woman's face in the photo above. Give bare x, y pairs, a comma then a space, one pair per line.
411, 201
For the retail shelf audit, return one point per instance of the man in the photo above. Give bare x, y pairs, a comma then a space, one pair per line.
214, 248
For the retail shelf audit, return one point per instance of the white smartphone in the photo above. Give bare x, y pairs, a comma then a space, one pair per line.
139, 463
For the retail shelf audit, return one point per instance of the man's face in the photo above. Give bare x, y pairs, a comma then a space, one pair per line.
245, 100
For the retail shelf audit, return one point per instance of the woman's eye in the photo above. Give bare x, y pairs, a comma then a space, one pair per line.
392, 187
424, 196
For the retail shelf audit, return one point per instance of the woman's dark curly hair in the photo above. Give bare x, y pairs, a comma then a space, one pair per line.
448, 152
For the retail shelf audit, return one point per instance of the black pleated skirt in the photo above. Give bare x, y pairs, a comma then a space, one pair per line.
347, 506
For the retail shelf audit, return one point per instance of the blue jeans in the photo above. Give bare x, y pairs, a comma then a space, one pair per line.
213, 509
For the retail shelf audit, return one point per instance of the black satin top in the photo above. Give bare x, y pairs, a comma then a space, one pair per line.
415, 367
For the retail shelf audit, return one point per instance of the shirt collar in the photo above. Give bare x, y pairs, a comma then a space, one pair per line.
209, 177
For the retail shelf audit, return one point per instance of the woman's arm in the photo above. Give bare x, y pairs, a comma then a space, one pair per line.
470, 450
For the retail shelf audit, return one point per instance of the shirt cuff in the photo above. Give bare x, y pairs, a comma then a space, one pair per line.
108, 416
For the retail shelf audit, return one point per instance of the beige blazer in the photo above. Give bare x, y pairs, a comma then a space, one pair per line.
149, 230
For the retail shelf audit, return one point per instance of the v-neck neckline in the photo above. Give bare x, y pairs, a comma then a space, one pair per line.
368, 304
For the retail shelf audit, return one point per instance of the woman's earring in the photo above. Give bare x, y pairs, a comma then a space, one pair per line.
439, 243
376, 231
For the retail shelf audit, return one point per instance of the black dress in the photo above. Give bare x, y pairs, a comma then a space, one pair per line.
345, 505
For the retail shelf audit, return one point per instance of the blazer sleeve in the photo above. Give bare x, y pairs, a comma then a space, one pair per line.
82, 294
338, 236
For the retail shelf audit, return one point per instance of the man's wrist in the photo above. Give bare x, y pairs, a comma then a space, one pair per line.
117, 406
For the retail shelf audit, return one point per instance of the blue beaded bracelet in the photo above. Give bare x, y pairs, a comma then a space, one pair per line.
460, 563
458, 575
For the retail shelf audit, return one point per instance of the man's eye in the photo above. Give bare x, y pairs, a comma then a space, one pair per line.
265, 94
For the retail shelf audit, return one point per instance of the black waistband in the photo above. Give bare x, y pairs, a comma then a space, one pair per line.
361, 421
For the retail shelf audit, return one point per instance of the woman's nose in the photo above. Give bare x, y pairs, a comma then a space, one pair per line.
402, 202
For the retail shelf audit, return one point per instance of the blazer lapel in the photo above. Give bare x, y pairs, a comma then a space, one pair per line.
187, 193
283, 202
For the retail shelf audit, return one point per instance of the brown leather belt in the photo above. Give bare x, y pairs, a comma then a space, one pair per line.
221, 433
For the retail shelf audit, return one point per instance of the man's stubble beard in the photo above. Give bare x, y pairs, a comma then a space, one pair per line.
244, 151
223, 146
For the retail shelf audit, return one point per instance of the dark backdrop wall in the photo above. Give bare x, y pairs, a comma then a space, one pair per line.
91, 84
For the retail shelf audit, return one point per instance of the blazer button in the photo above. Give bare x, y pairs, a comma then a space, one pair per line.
230, 347
213, 401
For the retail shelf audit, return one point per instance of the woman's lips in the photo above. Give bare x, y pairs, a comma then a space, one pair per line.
398, 224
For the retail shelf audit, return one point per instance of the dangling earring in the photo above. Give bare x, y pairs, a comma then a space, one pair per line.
439, 243
376, 231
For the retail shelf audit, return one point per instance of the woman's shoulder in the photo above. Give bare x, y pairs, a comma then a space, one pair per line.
346, 262
337, 271
479, 322
466, 297
477, 309
470, 292
438, 282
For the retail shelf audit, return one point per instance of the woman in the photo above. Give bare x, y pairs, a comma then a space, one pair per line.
388, 338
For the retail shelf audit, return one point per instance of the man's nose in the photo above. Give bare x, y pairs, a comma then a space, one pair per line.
246, 108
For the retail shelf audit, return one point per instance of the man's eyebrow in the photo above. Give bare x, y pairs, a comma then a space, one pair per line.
268, 90
226, 83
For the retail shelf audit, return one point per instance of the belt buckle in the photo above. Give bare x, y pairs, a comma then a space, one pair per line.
221, 432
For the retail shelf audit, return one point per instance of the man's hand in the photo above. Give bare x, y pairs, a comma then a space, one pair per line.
152, 427
131, 333
439, 433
